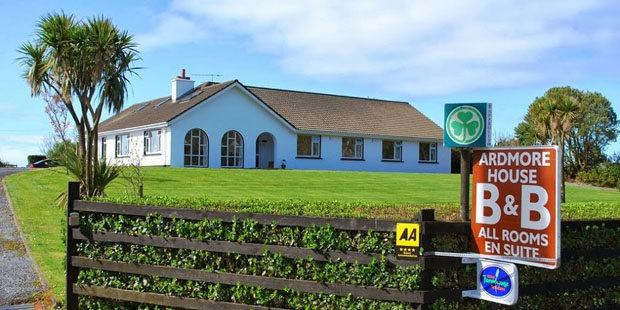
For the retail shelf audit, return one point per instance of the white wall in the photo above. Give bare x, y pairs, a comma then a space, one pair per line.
230, 110
136, 149
331, 154
236, 110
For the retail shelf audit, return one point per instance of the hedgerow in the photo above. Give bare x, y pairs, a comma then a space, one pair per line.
379, 273
571, 210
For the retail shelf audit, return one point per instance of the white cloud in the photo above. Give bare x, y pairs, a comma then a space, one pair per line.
418, 47
14, 148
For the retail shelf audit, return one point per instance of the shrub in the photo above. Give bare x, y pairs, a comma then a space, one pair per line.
35, 158
605, 175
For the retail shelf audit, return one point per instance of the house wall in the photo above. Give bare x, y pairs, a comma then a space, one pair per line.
331, 158
236, 110
136, 149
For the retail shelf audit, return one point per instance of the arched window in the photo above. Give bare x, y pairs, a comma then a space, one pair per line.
196, 152
232, 150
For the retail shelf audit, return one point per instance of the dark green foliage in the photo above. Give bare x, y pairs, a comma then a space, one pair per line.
571, 210
605, 175
35, 158
59, 149
593, 126
379, 273
581, 299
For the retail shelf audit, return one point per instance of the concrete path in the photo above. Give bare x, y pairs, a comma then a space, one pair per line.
20, 279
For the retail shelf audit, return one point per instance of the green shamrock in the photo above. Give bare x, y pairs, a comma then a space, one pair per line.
464, 125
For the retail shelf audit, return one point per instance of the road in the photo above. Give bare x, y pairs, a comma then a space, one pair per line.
20, 281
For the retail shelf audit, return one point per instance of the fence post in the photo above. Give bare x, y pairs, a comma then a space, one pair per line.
73, 194
426, 275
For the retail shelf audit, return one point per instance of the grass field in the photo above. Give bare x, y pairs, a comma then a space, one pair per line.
33, 194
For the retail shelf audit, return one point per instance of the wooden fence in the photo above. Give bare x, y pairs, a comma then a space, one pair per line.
426, 295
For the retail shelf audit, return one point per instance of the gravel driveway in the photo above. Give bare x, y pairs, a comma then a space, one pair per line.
20, 280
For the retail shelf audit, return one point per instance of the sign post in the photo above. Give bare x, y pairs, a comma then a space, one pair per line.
466, 125
516, 196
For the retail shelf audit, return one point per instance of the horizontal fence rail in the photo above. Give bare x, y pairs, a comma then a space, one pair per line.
254, 249
161, 300
425, 295
355, 224
389, 294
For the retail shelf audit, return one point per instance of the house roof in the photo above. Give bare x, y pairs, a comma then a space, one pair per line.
306, 111
154, 111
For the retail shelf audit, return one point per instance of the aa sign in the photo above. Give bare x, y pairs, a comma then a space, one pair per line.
516, 198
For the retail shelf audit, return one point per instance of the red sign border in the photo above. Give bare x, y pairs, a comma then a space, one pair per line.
558, 207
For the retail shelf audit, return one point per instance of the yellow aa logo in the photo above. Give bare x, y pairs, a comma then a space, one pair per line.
408, 234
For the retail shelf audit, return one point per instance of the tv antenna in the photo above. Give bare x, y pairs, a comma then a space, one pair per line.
209, 75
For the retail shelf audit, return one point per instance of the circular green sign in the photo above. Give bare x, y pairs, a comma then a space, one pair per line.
464, 125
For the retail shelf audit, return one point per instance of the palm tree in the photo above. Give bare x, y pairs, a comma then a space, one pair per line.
86, 64
553, 116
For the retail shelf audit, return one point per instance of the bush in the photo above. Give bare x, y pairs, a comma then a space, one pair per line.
606, 175
59, 149
379, 273
35, 158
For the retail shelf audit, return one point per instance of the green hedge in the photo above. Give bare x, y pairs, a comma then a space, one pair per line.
606, 175
573, 210
379, 273
35, 158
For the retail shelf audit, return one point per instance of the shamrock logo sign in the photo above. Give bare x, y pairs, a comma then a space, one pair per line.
464, 125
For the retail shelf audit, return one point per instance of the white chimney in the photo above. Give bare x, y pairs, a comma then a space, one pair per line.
181, 85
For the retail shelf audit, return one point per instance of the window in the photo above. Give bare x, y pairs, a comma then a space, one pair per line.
152, 142
392, 150
103, 147
428, 152
309, 146
196, 149
232, 150
353, 148
122, 145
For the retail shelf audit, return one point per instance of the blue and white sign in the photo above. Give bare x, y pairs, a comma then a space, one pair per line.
497, 281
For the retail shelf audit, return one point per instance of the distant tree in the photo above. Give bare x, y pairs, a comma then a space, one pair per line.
504, 139
595, 126
85, 64
59, 117
549, 120
60, 149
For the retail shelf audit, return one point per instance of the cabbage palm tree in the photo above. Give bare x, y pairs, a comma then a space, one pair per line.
86, 64
554, 116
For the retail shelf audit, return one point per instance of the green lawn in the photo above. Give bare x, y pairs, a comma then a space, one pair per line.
33, 194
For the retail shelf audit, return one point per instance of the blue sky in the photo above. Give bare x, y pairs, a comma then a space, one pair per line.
425, 52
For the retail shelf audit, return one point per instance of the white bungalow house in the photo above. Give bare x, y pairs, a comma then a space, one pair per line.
230, 125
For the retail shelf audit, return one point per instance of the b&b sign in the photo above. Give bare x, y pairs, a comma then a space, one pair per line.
516, 197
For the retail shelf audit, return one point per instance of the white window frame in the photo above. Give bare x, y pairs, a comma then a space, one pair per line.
315, 147
104, 144
148, 143
237, 153
358, 148
397, 149
119, 145
432, 152
203, 144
